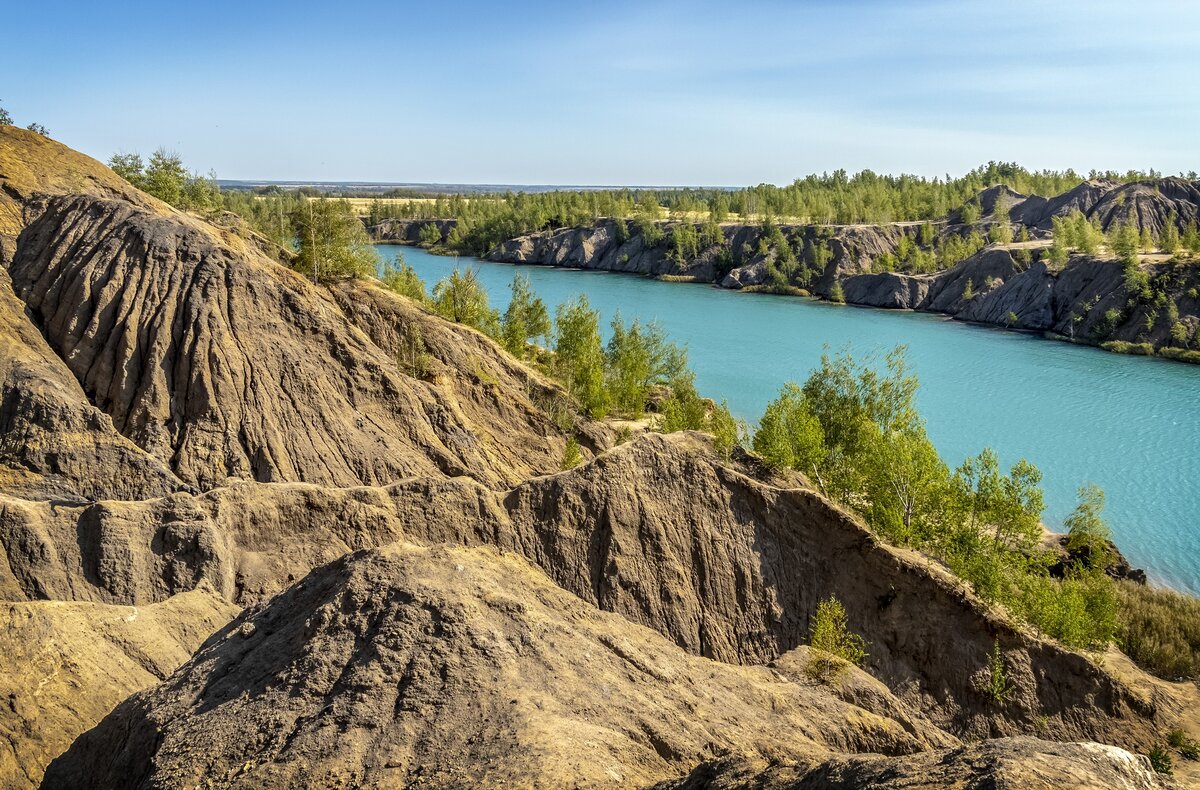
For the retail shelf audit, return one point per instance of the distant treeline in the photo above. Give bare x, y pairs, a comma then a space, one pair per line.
830, 198
485, 220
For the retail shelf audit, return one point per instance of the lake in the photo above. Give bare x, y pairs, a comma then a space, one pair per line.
1127, 424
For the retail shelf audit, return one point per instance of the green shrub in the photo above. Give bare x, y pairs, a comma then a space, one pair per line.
398, 277
1124, 347
1160, 760
998, 686
461, 298
572, 455
830, 633
1159, 629
1180, 354
429, 235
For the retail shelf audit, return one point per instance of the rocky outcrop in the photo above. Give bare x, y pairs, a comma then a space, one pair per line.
53, 442
247, 427
1001, 763
218, 362
454, 667
1088, 300
658, 531
32, 164
66, 665
1077, 302
408, 231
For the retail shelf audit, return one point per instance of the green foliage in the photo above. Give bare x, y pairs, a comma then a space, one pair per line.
637, 358
926, 235
525, 320
1160, 630
999, 689
461, 298
855, 432
968, 290
1187, 746
685, 410
1160, 760
333, 242
685, 242
790, 436
429, 235
1087, 533
1001, 232
165, 177
970, 212
37, 128
836, 294
269, 214
400, 278
1191, 238
953, 249
412, 356
1125, 242
830, 633
5, 118
572, 455
579, 354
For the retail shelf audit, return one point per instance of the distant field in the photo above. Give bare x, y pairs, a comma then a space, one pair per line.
362, 206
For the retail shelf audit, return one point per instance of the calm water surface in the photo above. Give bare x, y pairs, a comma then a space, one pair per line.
1129, 424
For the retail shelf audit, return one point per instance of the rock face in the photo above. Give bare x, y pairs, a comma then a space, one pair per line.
658, 531
454, 667
408, 231
1002, 763
66, 665
218, 362
1088, 300
189, 428
1076, 302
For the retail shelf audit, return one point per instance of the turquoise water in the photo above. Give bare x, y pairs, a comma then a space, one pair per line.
1128, 424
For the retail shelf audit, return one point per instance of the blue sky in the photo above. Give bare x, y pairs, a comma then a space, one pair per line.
611, 93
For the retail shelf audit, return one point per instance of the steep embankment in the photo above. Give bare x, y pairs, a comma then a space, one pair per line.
1003, 763
227, 427
453, 667
221, 363
67, 664
408, 231
1088, 300
659, 531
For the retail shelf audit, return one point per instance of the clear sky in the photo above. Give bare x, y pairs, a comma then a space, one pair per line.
647, 92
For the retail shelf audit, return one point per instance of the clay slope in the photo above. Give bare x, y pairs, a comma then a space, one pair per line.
1014, 763
53, 442
219, 362
455, 667
32, 165
657, 530
66, 665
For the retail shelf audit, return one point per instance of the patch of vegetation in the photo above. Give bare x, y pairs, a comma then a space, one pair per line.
999, 689
429, 235
1160, 630
835, 646
1184, 744
165, 177
855, 432
1160, 760
1181, 354
572, 455
333, 244
400, 278
1124, 347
